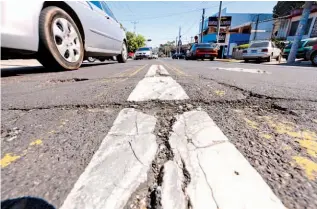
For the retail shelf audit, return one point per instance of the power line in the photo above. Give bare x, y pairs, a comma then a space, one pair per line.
175, 14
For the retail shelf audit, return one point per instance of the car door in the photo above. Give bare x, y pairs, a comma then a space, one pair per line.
98, 24
115, 31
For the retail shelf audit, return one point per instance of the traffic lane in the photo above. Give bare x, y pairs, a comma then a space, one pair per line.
280, 146
272, 81
45, 151
88, 87
203, 90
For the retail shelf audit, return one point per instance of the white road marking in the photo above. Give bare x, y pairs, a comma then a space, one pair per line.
220, 176
157, 85
172, 194
119, 166
244, 70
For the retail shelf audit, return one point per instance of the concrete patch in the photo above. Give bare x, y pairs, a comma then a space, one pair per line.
155, 86
220, 176
119, 166
172, 194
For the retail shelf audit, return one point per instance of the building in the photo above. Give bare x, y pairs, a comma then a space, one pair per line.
285, 28
243, 28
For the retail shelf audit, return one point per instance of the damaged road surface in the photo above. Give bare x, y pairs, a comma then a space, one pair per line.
161, 134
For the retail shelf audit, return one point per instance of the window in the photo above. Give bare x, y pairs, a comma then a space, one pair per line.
259, 44
273, 45
108, 10
97, 4
294, 27
311, 43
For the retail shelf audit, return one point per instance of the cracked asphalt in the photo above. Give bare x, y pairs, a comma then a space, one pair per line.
53, 122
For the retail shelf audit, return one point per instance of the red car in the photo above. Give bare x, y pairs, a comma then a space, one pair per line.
130, 55
312, 55
202, 51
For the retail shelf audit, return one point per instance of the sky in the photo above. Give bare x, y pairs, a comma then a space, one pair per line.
160, 20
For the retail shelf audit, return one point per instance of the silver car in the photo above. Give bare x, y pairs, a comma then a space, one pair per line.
262, 50
61, 34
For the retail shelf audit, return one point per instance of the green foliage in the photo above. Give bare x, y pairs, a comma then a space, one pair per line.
134, 41
167, 47
243, 46
283, 8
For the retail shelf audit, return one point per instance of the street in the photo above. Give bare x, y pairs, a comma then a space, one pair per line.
161, 134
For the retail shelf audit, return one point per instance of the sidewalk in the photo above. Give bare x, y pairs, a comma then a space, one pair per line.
15, 63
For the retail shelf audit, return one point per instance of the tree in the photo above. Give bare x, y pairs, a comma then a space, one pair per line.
283, 8
167, 47
134, 41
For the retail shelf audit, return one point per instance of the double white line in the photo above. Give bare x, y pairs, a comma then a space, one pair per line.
220, 177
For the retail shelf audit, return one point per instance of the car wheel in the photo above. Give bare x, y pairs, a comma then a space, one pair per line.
91, 59
61, 44
246, 60
212, 59
269, 59
122, 58
313, 58
102, 59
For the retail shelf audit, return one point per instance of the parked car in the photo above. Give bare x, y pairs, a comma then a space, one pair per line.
143, 52
202, 51
312, 55
130, 55
304, 47
261, 50
178, 56
61, 34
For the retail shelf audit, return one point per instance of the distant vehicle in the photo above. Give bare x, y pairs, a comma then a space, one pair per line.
312, 55
202, 51
262, 50
178, 56
143, 52
304, 47
130, 55
155, 56
61, 34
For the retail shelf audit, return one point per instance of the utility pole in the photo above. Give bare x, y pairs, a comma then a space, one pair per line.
256, 26
134, 23
179, 39
202, 25
219, 21
300, 31
176, 44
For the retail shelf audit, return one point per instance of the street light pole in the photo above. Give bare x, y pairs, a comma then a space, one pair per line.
300, 31
219, 21
202, 25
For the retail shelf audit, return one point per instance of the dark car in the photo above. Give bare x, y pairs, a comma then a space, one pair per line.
312, 55
304, 47
202, 51
178, 56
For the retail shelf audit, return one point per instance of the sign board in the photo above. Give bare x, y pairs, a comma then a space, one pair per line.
314, 30
224, 22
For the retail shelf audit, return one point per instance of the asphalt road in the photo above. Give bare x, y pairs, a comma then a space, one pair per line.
54, 122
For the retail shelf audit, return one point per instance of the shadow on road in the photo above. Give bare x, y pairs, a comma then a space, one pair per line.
26, 203
21, 70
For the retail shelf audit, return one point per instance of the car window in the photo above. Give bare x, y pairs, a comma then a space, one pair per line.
97, 4
259, 44
108, 10
311, 43
273, 45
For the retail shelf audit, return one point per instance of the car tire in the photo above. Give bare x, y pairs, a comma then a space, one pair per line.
102, 59
61, 45
269, 59
212, 59
246, 60
313, 58
122, 58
